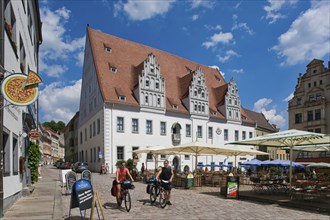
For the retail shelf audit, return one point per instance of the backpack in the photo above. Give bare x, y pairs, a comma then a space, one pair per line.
113, 189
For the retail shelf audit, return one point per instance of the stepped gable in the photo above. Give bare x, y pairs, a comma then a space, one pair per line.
127, 57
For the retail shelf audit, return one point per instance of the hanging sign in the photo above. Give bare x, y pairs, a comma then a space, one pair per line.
14, 90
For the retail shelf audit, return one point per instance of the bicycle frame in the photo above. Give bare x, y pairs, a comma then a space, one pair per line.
124, 195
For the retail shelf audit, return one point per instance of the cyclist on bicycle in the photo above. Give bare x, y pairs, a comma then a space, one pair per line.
121, 175
166, 173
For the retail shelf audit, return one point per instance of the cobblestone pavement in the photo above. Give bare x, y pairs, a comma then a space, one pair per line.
198, 203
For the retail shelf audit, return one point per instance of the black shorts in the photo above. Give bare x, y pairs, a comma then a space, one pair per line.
115, 183
166, 186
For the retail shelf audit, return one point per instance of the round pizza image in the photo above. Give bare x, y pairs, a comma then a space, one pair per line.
13, 90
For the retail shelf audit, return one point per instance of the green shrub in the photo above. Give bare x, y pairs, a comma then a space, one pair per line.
34, 156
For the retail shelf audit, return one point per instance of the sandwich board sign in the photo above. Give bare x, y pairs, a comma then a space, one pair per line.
82, 196
87, 175
71, 178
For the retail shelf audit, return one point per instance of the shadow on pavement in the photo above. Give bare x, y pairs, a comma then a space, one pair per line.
109, 205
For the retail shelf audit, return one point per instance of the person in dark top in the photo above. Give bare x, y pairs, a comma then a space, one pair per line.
166, 173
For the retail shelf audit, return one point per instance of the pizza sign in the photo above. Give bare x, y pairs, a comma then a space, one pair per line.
18, 90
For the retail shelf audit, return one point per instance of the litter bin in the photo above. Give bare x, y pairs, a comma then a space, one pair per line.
189, 181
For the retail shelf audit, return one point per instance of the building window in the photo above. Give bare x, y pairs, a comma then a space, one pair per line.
149, 156
98, 126
210, 133
186, 157
162, 128
113, 69
120, 124
318, 130
15, 155
90, 131
81, 138
309, 85
243, 135
146, 99
94, 129
147, 83
199, 131
135, 155
108, 49
99, 153
317, 114
157, 85
163, 157
91, 155
120, 153
188, 130
174, 106
309, 115
298, 118
325, 154
149, 127
94, 154
236, 135
135, 125
122, 98
321, 82
225, 134
158, 101
85, 134
305, 154
250, 135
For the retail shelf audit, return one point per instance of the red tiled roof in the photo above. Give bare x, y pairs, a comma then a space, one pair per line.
128, 57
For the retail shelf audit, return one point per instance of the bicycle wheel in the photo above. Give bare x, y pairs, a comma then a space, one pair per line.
127, 198
153, 194
162, 198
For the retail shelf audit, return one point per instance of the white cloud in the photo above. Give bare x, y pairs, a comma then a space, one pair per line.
308, 36
60, 103
209, 27
55, 70
270, 114
274, 8
195, 17
289, 97
143, 9
217, 67
227, 56
202, 3
238, 70
216, 39
57, 45
241, 26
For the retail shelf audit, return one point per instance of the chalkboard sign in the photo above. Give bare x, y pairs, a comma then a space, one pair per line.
71, 178
232, 185
87, 175
82, 195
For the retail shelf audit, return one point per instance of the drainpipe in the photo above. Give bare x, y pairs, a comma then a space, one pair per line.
2, 54
111, 135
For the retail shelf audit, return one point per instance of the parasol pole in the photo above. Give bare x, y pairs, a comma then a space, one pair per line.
291, 166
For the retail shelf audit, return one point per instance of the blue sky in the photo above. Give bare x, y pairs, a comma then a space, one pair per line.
263, 45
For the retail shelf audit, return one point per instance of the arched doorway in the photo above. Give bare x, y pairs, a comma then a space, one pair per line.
175, 163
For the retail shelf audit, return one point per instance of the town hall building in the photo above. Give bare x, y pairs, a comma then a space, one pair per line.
134, 96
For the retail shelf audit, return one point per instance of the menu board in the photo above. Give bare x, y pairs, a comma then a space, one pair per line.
82, 195
70, 180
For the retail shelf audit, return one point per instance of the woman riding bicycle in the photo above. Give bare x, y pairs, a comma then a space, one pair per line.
121, 175
166, 173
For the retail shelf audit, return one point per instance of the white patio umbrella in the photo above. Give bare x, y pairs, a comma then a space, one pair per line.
319, 165
150, 150
198, 148
288, 138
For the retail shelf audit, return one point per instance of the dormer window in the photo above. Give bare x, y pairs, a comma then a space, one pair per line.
174, 106
122, 98
107, 49
113, 69
214, 113
157, 85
